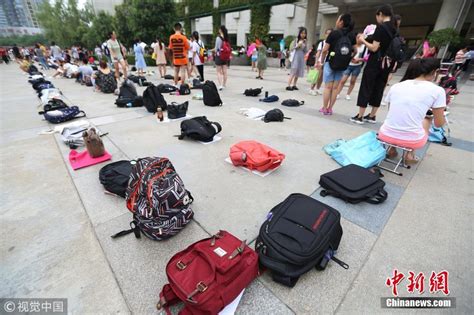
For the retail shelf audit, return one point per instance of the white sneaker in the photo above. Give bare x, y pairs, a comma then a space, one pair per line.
337, 97
319, 92
221, 88
313, 92
348, 97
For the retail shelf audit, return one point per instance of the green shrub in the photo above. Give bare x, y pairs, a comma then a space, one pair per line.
443, 37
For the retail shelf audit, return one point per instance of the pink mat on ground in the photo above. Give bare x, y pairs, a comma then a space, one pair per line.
83, 159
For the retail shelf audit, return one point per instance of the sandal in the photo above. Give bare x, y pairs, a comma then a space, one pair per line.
412, 161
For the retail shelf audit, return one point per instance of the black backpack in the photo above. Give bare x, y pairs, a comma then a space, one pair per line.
274, 115
210, 95
184, 89
197, 84
167, 88
342, 53
253, 92
176, 110
396, 49
354, 184
200, 129
152, 99
292, 103
299, 234
115, 176
140, 80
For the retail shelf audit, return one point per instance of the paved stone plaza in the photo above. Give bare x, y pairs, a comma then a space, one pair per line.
56, 223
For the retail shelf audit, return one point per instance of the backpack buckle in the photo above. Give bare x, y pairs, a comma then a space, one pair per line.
201, 287
181, 265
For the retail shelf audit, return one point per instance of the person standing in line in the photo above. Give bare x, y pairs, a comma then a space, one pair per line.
41, 59
16, 52
375, 76
115, 50
254, 58
160, 52
316, 88
332, 55
26, 53
353, 71
139, 58
398, 20
262, 59
98, 52
223, 51
56, 52
190, 67
179, 46
298, 49
198, 55
283, 59
106, 52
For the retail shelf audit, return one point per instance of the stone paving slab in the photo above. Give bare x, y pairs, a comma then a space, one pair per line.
48, 247
370, 217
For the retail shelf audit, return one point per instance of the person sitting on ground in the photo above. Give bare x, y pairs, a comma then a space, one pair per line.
85, 72
104, 79
24, 63
406, 124
67, 70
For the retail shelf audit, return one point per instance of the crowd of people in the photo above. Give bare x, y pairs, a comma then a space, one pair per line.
341, 56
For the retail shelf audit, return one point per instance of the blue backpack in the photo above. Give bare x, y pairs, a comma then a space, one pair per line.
365, 150
63, 114
438, 135
270, 99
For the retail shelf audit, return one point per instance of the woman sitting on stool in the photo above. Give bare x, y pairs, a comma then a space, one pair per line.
406, 124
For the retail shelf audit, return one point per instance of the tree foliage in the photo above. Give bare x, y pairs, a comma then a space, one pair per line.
259, 21
145, 19
443, 37
24, 40
64, 23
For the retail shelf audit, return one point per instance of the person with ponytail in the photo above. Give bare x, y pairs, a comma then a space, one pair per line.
406, 124
160, 52
376, 71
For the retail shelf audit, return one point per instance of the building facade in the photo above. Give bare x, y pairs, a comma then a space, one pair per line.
107, 6
18, 17
419, 18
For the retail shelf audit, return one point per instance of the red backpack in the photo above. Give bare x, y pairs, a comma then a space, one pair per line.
255, 156
225, 52
209, 274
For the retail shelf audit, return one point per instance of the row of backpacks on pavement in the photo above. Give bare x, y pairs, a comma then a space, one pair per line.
300, 233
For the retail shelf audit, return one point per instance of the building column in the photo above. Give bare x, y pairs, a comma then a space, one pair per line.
452, 14
311, 19
327, 21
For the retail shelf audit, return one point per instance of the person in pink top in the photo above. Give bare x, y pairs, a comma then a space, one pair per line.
407, 124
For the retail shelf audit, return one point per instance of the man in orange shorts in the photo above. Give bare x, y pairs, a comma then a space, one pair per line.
179, 46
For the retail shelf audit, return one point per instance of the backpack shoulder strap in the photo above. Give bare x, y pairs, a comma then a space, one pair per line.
167, 299
219, 127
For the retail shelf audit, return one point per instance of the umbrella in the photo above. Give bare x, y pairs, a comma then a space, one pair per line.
251, 48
